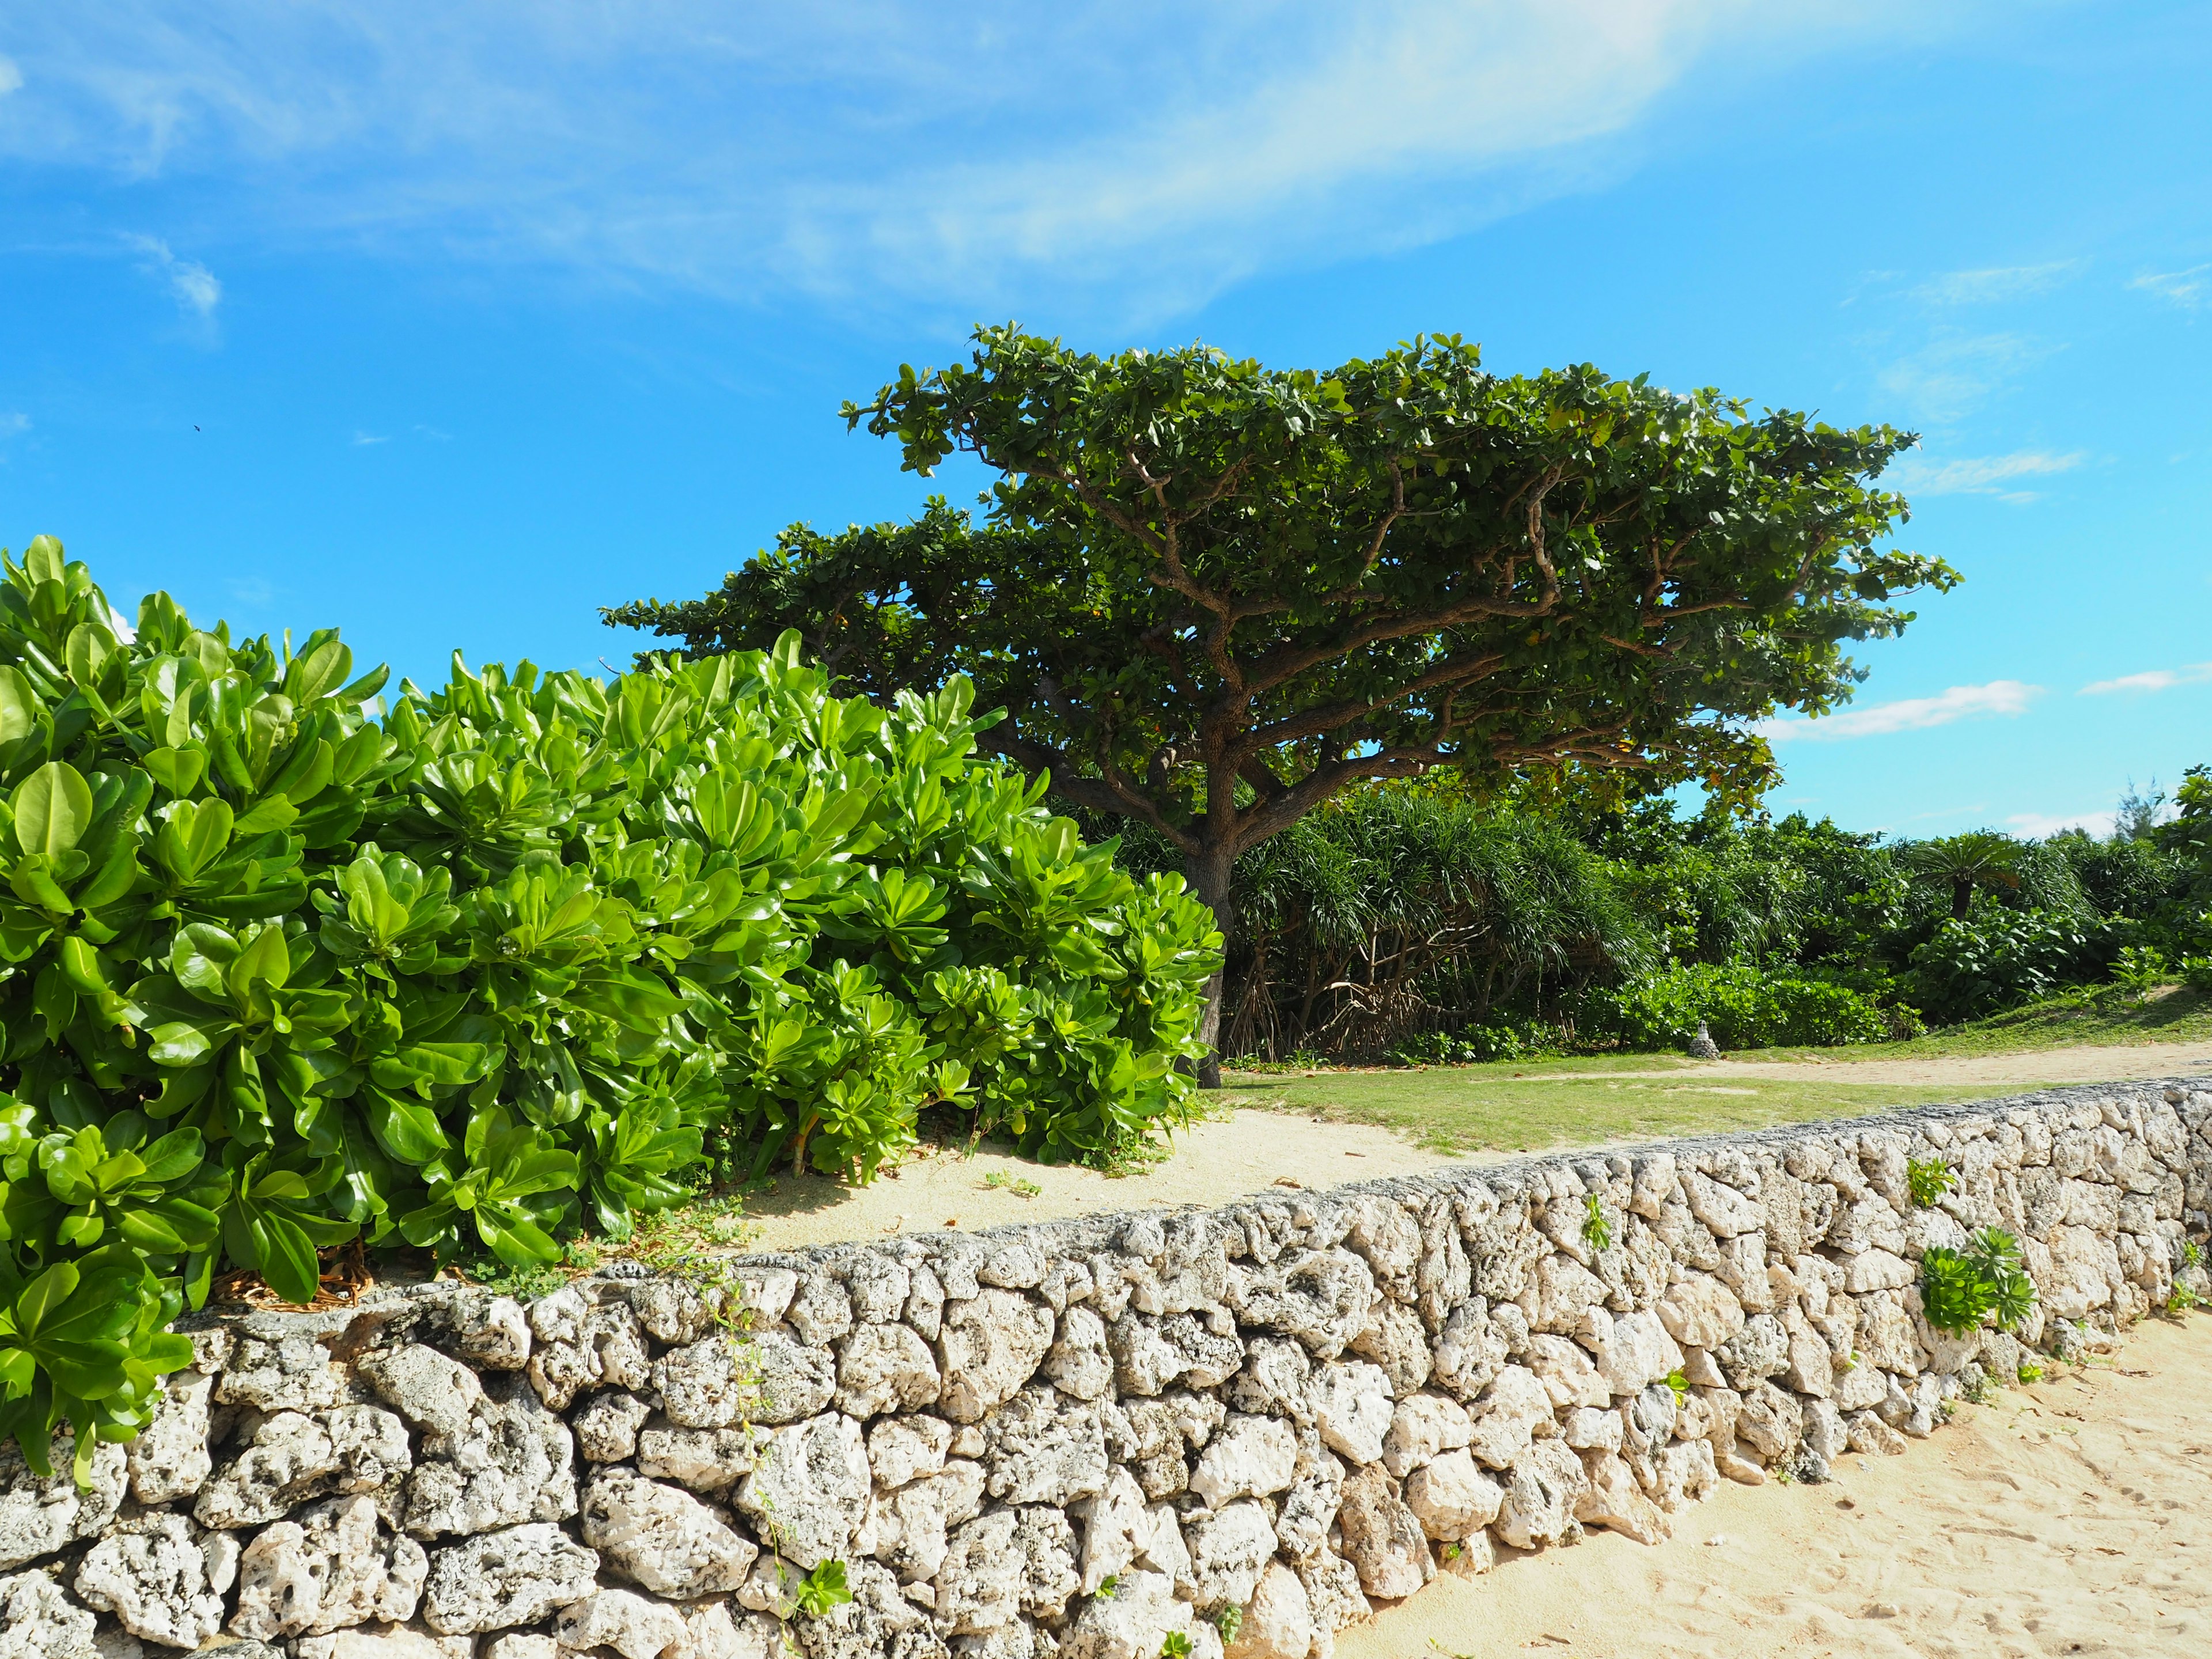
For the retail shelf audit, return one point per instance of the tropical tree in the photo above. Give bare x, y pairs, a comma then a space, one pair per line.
1980, 858
1211, 595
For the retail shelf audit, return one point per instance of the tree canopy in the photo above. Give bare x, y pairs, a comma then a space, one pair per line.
1210, 595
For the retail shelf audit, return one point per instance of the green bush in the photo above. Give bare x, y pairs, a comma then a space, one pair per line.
1995, 959
1960, 1288
528, 954
1743, 1006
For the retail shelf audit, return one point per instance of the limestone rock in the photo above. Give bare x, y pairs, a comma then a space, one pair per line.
876, 1621
1568, 1374
1132, 1623
633, 1625
989, 1346
808, 1492
821, 1310
604, 1349
294, 1458
366, 1642
661, 1536
293, 1375
705, 1460
1382, 1538
1043, 1448
491, 1331
1877, 1270
721, 1380
1632, 1351
1352, 1407
674, 1312
41, 1515
511, 1461
1770, 1420
904, 1449
979, 1583
1308, 1508
1114, 1524
502, 1579
1725, 1211
1539, 1508
1512, 1409
1396, 1340
1332, 1592
39, 1621
885, 1368
1046, 1544
1078, 1362
170, 1460
1227, 1550
423, 1386
605, 1426
1279, 1622
1325, 1298
326, 1568
1612, 1499
1452, 1499
1273, 1381
1250, 1457
1150, 1354
153, 1577
1759, 1350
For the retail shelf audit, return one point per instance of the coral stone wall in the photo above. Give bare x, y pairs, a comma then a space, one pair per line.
1080, 1439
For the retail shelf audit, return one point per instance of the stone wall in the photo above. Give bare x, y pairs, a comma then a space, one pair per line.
1078, 1439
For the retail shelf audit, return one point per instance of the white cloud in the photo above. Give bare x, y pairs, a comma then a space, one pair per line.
2188, 288
1140, 148
10, 76
360, 438
1954, 375
193, 285
2039, 826
1911, 715
1978, 475
1974, 288
2154, 679
12, 422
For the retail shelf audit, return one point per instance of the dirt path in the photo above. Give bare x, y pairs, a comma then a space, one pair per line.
2116, 1064
2074, 1516
1249, 1150
1226, 1157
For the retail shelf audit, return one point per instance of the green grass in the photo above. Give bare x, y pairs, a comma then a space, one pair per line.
2176, 1014
1539, 1105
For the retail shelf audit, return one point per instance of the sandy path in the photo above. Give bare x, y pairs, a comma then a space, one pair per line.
2115, 1064
2074, 1516
1226, 1157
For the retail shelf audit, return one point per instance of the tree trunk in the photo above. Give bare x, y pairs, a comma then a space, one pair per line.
1962, 897
1211, 873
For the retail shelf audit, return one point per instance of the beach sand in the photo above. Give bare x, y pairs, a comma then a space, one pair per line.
2073, 1515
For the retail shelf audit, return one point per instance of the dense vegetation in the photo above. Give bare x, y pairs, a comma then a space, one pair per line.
1213, 595
1412, 921
529, 953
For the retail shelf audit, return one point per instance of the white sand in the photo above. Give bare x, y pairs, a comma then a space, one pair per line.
1225, 1157
2073, 1517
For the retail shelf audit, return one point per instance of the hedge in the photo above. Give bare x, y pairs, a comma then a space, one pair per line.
520, 958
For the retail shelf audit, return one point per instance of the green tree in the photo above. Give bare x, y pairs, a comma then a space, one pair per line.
1980, 858
1211, 595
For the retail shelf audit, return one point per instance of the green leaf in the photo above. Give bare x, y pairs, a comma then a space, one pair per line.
53, 809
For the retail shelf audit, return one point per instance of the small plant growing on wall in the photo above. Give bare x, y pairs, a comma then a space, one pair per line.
822, 1589
1929, 1179
1597, 1232
1229, 1621
1175, 1645
1961, 1288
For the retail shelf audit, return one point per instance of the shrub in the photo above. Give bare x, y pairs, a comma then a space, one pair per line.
1960, 1288
1996, 959
529, 954
1743, 1006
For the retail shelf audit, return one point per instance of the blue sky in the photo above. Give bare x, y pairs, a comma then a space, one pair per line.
451, 324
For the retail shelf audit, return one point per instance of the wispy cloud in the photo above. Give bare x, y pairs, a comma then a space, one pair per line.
1998, 697
1983, 475
363, 438
1978, 288
2154, 679
10, 76
13, 422
2191, 288
1953, 375
192, 285
2039, 826
1137, 145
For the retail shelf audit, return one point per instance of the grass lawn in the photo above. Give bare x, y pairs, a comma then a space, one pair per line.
1537, 1105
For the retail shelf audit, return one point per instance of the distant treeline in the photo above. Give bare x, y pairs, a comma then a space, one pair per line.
1402, 921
